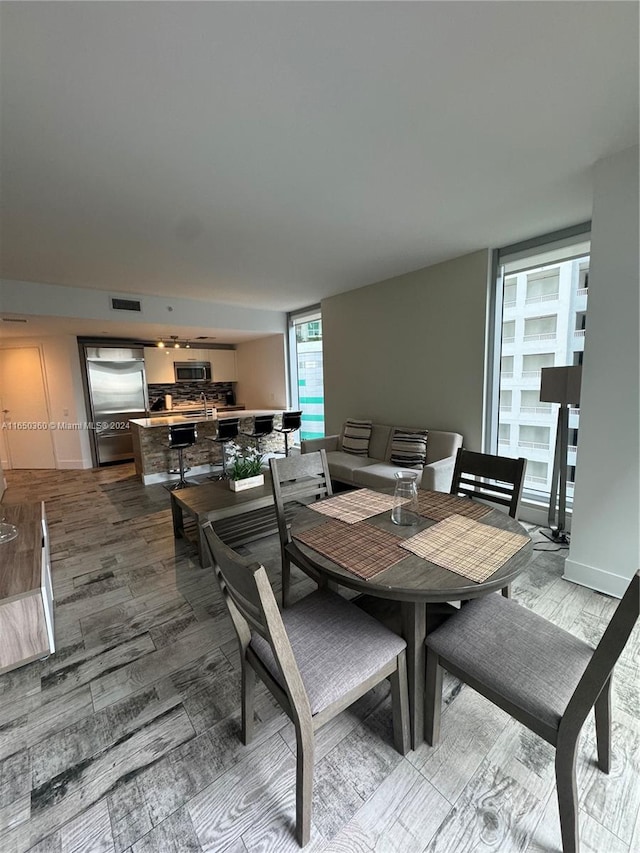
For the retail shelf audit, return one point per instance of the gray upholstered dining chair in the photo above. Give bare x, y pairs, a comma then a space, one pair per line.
304, 478
316, 658
541, 675
500, 481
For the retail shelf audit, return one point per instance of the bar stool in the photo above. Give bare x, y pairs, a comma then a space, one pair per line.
291, 422
262, 427
181, 436
228, 430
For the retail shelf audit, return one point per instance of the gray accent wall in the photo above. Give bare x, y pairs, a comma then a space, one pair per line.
410, 350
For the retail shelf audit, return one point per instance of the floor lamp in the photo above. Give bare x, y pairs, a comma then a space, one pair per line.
560, 385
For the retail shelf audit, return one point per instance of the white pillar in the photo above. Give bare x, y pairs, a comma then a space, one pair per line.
605, 549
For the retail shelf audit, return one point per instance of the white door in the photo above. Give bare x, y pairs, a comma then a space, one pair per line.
23, 406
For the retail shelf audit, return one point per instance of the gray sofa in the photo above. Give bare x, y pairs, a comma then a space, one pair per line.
375, 470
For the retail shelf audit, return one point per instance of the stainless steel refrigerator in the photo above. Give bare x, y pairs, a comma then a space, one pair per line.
117, 390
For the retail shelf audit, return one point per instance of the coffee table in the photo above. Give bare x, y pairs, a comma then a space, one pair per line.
237, 517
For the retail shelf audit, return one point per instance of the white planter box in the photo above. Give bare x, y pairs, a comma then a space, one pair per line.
247, 483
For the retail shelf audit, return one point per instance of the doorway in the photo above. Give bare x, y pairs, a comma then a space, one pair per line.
26, 435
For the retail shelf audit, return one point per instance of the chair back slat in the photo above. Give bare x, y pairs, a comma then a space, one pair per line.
238, 576
252, 606
500, 478
605, 656
305, 476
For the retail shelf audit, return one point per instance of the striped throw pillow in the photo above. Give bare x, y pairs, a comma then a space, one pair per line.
409, 448
355, 437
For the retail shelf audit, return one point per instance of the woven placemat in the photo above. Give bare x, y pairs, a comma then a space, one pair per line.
439, 506
361, 548
355, 506
466, 547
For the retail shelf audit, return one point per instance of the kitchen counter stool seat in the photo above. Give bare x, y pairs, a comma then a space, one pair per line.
291, 422
182, 436
262, 427
228, 430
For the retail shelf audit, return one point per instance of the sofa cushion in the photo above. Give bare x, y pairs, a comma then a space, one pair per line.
409, 448
355, 438
380, 436
342, 465
379, 475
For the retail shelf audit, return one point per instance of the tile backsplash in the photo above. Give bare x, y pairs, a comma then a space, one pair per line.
215, 392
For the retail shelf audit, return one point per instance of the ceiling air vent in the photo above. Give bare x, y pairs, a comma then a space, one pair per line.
13, 320
125, 304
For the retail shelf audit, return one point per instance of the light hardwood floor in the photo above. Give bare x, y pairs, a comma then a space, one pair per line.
127, 738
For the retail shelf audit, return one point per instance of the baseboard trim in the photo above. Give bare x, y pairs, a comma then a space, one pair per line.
596, 579
73, 464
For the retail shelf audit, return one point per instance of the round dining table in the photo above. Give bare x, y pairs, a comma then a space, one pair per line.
421, 587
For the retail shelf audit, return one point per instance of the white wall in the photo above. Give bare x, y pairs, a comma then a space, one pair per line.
63, 388
54, 300
262, 373
410, 350
605, 543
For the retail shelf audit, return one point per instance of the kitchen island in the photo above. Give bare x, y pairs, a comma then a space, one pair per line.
154, 459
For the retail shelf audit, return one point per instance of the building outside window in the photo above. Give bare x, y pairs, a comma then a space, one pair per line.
305, 367
540, 322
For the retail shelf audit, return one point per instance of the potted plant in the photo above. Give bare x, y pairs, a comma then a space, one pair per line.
245, 468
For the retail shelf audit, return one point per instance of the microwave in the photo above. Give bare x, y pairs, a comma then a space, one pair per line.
192, 371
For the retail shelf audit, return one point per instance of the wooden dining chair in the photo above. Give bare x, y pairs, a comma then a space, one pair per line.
495, 479
317, 658
541, 675
297, 478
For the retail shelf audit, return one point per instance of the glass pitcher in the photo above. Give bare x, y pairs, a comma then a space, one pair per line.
405, 498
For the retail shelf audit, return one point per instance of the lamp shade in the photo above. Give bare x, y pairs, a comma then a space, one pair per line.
561, 385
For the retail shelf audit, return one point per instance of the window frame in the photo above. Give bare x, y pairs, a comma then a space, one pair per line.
548, 246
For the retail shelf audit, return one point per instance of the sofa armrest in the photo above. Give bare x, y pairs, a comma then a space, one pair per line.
329, 442
437, 475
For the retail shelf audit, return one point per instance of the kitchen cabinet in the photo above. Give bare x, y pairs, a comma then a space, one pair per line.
223, 365
26, 593
158, 365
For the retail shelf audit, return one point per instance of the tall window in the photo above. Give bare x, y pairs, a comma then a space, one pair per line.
305, 365
541, 321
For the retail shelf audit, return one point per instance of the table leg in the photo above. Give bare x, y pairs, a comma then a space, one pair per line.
178, 519
414, 631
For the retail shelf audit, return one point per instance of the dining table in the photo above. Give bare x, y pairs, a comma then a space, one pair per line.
455, 549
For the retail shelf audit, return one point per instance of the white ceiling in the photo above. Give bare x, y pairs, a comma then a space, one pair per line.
272, 154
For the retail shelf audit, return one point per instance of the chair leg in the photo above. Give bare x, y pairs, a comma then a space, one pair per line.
433, 699
602, 710
304, 784
566, 751
248, 694
506, 591
400, 706
286, 578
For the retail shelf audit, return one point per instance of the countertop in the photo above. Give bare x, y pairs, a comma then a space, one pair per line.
170, 420
192, 407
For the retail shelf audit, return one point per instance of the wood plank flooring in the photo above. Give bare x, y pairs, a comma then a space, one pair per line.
127, 739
